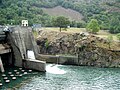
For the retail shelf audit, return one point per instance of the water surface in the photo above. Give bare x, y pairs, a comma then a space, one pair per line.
63, 77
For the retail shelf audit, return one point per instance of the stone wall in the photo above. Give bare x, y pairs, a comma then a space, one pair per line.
59, 59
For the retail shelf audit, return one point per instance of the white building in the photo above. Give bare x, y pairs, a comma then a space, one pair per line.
24, 22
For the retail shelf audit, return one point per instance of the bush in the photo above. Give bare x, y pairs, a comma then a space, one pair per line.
118, 36
93, 26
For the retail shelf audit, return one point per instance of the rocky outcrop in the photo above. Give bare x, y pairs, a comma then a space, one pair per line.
90, 50
93, 55
51, 42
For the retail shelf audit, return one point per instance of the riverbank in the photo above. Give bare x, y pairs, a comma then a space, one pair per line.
102, 61
78, 48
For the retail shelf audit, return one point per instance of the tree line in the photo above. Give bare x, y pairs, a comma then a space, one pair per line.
13, 11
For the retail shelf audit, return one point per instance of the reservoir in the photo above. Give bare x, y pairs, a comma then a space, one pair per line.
66, 77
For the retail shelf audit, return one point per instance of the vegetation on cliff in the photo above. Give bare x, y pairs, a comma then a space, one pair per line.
118, 36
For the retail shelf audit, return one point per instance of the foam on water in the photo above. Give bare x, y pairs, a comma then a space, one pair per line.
54, 69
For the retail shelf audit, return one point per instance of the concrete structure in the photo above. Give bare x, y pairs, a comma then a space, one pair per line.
24, 22
59, 59
4, 48
20, 40
1, 65
35, 64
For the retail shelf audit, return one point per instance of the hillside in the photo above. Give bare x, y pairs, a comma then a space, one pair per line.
107, 12
60, 11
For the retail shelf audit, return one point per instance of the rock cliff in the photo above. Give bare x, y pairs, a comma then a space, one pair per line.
89, 49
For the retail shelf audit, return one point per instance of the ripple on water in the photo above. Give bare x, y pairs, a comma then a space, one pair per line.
74, 78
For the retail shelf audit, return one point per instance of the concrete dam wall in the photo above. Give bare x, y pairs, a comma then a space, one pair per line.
21, 40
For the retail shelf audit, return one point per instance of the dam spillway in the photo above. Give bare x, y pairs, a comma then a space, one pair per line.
16, 41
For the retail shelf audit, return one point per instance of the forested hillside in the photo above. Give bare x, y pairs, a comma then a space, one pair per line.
107, 12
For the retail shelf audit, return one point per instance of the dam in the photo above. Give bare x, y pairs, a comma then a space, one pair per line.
15, 43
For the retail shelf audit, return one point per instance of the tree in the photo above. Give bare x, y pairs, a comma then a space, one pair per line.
61, 22
118, 36
81, 24
115, 25
93, 26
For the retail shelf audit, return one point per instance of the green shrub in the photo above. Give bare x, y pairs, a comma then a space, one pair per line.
46, 44
118, 36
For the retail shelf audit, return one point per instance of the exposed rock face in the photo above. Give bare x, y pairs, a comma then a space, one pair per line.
51, 42
90, 50
92, 55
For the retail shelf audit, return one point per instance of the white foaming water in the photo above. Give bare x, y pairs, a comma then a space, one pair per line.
54, 69
30, 54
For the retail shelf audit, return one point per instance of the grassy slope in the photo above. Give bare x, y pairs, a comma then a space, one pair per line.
101, 33
105, 34
69, 30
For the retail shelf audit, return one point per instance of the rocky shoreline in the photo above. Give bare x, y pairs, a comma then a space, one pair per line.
89, 49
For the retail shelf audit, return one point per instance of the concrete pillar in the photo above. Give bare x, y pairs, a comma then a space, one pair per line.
1, 65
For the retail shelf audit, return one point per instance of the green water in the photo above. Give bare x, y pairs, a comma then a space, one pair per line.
16, 84
69, 78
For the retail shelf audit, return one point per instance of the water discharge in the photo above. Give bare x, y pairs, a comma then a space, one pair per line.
30, 54
54, 69
67, 77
